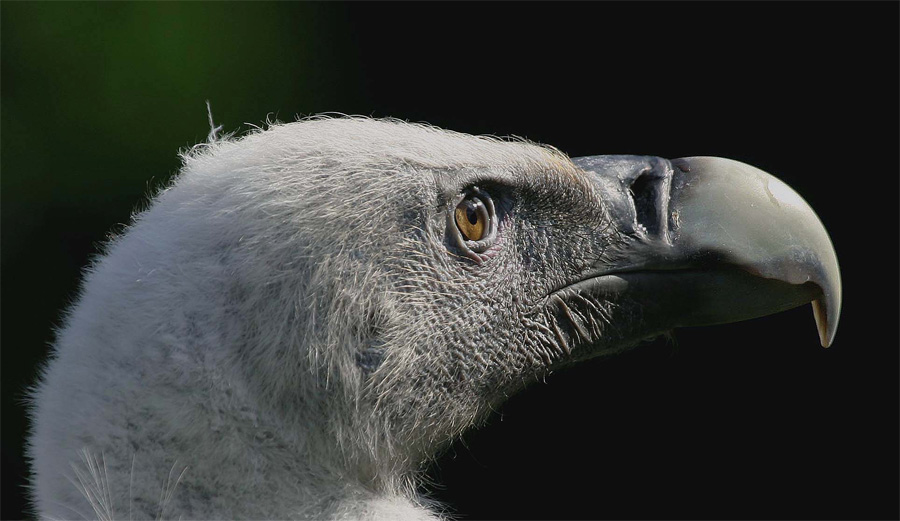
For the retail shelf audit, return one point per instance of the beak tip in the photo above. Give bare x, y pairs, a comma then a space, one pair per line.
825, 324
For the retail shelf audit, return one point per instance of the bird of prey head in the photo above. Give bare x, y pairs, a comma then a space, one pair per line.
310, 312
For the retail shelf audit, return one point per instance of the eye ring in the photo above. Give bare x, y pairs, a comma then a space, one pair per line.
473, 222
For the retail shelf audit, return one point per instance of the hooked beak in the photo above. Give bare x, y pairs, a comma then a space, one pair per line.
715, 241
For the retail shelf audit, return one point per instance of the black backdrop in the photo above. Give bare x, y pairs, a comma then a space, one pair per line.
749, 420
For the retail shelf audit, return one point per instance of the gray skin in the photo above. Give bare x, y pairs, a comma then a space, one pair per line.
298, 325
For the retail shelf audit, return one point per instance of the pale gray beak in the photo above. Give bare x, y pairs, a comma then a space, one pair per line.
717, 241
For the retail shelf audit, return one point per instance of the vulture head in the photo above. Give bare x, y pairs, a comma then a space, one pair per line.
310, 313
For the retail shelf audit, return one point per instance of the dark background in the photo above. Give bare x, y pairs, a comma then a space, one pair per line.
749, 420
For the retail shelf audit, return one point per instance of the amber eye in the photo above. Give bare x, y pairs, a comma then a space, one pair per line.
472, 219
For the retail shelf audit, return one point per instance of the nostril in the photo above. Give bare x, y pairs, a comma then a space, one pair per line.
644, 191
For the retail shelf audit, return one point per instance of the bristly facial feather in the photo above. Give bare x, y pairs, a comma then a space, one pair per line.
294, 320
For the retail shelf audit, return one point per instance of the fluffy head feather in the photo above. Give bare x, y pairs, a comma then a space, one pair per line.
290, 322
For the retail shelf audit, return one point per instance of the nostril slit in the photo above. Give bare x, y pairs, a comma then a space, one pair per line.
644, 193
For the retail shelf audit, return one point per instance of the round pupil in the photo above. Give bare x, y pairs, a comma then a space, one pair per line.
472, 214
